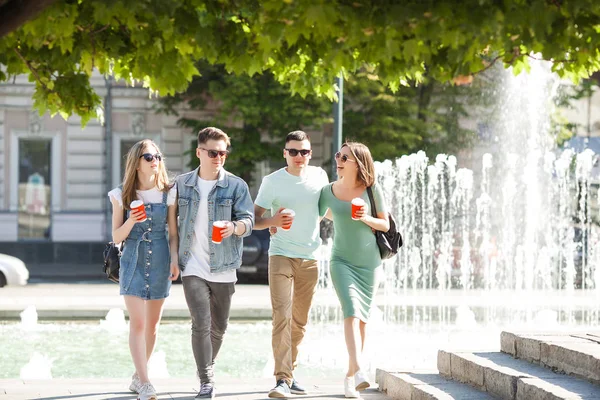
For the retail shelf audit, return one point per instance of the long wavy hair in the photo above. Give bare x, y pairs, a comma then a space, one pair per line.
364, 161
130, 181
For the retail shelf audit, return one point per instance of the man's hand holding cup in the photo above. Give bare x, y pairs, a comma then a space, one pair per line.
222, 230
283, 218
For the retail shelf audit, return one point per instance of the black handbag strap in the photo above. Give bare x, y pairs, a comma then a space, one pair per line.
372, 200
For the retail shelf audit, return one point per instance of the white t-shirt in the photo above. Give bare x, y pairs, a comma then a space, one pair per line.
199, 262
147, 196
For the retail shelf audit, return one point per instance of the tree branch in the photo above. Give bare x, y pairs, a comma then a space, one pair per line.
15, 13
33, 70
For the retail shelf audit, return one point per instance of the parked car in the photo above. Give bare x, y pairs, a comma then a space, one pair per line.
255, 257
12, 271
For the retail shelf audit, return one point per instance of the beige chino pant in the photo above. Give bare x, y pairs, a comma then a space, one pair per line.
292, 282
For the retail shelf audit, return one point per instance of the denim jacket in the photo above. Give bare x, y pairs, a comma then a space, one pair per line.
229, 200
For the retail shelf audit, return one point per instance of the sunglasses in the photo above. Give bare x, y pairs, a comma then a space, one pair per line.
215, 153
343, 157
150, 157
294, 152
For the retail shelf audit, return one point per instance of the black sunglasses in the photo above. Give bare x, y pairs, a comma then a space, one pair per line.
215, 153
294, 152
343, 157
150, 157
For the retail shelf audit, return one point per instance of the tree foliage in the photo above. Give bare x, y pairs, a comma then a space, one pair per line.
424, 117
257, 113
304, 43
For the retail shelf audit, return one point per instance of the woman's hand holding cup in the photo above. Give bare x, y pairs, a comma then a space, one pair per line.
138, 211
359, 209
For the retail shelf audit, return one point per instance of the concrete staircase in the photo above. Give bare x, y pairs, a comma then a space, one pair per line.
529, 367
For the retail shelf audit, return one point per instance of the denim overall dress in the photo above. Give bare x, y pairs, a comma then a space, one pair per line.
145, 259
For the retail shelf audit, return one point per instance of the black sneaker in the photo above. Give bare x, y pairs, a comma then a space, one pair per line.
281, 390
296, 388
207, 391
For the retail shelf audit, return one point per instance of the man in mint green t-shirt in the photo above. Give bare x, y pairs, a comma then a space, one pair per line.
293, 271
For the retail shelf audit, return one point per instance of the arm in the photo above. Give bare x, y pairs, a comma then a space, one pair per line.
259, 221
173, 240
121, 229
278, 219
242, 214
381, 223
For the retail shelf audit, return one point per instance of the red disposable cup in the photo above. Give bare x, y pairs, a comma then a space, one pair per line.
292, 214
357, 204
137, 206
217, 233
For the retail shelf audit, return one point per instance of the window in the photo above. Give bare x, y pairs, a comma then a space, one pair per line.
34, 202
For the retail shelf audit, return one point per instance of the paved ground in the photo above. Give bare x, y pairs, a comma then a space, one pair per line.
59, 389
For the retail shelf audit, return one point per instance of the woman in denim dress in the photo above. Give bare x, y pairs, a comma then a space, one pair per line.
146, 270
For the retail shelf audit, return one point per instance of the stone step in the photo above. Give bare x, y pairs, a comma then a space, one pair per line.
425, 386
574, 354
508, 378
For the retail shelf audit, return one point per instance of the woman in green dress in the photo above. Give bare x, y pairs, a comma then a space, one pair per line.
355, 258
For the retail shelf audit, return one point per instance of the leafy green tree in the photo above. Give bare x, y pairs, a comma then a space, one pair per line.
424, 117
256, 112
304, 43
254, 109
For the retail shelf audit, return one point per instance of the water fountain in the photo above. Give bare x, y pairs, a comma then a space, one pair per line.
523, 221
114, 321
157, 365
29, 318
38, 367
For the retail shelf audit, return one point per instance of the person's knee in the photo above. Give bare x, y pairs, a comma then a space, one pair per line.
281, 323
217, 332
137, 325
201, 326
152, 327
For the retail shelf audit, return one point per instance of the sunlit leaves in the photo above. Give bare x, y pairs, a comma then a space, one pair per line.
304, 43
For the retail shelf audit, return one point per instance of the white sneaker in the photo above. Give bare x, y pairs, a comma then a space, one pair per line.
361, 381
349, 390
147, 392
135, 383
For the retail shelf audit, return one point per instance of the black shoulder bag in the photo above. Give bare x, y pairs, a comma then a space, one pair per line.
388, 242
112, 258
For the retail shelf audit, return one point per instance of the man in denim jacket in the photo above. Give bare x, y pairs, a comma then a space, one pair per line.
208, 269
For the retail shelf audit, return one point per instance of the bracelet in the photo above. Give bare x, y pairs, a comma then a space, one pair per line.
234, 227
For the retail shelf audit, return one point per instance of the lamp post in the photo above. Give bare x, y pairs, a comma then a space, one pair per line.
108, 137
338, 113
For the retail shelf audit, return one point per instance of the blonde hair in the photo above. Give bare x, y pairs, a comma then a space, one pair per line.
364, 161
130, 177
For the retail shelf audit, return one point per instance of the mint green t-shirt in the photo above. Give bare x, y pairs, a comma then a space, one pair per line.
301, 194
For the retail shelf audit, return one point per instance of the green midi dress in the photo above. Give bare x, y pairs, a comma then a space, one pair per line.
355, 259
